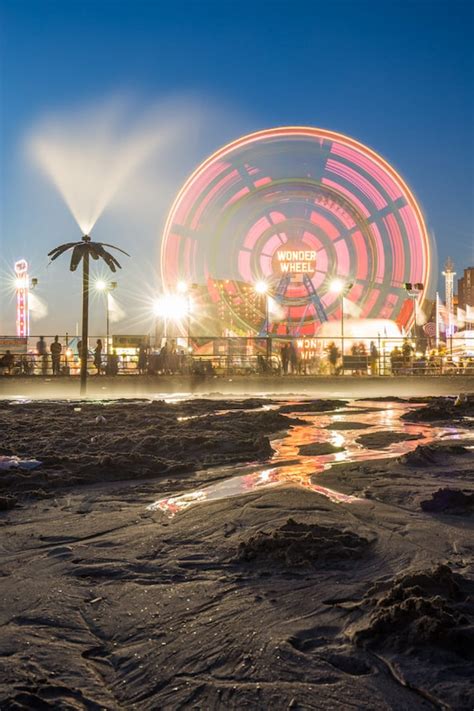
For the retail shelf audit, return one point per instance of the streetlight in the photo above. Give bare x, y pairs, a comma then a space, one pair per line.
261, 287
184, 288
106, 287
338, 286
413, 291
171, 307
158, 312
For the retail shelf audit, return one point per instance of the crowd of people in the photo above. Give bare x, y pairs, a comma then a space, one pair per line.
283, 359
330, 361
48, 359
362, 360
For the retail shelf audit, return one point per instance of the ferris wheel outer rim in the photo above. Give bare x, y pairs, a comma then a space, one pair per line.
310, 132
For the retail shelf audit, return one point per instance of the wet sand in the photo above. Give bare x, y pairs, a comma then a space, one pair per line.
236, 385
193, 555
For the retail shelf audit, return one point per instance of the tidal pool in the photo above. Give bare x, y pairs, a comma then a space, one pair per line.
339, 428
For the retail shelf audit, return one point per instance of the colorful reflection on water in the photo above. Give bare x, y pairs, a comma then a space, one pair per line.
289, 467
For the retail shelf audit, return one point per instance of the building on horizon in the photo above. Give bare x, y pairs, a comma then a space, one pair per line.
466, 288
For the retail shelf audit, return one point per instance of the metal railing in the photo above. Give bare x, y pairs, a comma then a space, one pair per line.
279, 356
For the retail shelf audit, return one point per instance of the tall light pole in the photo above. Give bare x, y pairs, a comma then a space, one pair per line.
171, 307
413, 291
183, 288
261, 287
338, 286
106, 287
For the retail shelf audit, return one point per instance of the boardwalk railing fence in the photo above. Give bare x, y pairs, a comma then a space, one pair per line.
279, 356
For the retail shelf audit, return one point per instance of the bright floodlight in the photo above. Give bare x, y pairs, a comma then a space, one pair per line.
172, 307
336, 286
261, 287
182, 287
100, 285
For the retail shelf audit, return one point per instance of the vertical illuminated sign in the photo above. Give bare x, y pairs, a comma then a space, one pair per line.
22, 280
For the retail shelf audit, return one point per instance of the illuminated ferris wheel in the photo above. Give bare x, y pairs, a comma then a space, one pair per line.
299, 207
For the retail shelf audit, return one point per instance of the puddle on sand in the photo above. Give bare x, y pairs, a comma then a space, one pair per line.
382, 417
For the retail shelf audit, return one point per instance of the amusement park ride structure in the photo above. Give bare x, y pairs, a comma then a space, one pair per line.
312, 300
339, 207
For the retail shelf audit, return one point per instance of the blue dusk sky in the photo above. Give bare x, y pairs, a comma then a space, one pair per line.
397, 76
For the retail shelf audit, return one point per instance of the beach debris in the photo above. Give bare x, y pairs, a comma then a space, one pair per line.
100, 420
11, 462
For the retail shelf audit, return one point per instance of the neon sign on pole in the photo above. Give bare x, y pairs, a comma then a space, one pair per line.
22, 281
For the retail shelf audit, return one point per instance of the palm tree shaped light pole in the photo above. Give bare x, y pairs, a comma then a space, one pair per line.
83, 250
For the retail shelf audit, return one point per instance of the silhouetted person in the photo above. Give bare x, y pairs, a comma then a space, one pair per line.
142, 358
56, 349
112, 364
396, 360
79, 351
333, 357
42, 352
164, 358
407, 354
374, 359
98, 356
293, 358
285, 358
173, 357
26, 365
359, 359
7, 361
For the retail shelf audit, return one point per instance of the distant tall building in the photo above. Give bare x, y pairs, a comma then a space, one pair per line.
466, 288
